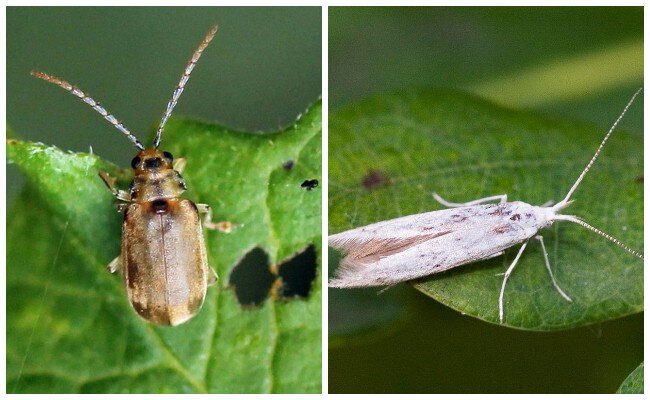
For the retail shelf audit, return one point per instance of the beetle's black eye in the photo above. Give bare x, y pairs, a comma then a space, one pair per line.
135, 162
168, 156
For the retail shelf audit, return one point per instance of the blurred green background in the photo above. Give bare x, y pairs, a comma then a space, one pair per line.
575, 63
260, 72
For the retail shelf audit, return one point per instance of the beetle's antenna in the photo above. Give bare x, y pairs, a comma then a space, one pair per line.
565, 202
92, 103
578, 221
181, 85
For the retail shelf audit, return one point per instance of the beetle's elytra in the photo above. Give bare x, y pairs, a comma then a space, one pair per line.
163, 256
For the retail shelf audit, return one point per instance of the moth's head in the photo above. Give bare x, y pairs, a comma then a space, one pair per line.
151, 160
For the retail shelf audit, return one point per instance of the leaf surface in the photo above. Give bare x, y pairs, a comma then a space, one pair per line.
633, 384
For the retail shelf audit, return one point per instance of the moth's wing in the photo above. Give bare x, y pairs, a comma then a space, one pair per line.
400, 250
395, 235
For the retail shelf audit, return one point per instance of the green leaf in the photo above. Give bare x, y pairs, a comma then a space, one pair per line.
70, 327
388, 154
633, 384
359, 312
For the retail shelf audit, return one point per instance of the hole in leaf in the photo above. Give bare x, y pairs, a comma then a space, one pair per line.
251, 278
254, 279
298, 274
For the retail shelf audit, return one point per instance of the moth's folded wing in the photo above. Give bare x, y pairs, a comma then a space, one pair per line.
363, 253
378, 262
392, 235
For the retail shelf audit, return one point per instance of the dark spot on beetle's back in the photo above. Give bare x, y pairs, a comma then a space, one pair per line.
375, 179
501, 229
516, 217
160, 206
132, 272
158, 315
141, 309
194, 303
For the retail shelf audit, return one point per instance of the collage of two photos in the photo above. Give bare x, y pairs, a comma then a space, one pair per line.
260, 200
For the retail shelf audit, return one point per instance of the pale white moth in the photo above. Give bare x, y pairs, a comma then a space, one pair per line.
406, 248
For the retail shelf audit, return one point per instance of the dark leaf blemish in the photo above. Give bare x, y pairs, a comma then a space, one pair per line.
288, 165
375, 179
310, 184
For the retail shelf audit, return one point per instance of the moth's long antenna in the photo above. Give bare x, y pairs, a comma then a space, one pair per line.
181, 85
564, 202
92, 103
578, 221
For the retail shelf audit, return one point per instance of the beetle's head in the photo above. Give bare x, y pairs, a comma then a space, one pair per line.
151, 160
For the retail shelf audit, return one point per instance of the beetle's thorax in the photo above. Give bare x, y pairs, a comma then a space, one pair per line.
155, 177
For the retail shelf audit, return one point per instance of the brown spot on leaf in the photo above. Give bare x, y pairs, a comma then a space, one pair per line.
375, 179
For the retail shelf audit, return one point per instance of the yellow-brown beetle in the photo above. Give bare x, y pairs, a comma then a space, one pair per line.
163, 256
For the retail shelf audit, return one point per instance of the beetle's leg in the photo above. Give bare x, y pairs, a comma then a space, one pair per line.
115, 265
213, 278
548, 267
110, 183
501, 197
505, 279
179, 164
223, 226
